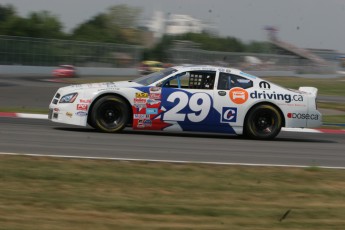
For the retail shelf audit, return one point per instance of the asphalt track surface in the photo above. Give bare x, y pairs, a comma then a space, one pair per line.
31, 136
27, 92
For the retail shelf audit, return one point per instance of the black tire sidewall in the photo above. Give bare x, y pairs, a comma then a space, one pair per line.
251, 132
120, 105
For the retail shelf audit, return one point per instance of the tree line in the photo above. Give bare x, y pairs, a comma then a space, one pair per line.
118, 24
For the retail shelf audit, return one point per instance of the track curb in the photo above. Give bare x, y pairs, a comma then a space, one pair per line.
23, 115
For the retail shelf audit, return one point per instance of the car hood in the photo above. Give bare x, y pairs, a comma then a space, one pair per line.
102, 85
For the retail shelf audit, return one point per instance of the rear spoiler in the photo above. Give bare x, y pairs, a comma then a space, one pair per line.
310, 90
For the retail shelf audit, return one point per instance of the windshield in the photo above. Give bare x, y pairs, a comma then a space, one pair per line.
153, 77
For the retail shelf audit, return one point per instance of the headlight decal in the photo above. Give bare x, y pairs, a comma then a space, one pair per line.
69, 98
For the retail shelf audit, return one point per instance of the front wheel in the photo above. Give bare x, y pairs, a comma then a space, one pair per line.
109, 114
263, 122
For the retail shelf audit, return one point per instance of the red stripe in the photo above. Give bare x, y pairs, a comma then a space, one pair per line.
8, 114
335, 131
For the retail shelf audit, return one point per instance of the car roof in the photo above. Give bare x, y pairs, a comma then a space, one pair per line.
207, 67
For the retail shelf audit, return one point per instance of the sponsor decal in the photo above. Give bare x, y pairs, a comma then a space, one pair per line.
141, 116
140, 101
303, 116
207, 68
224, 70
147, 123
82, 107
293, 105
155, 89
56, 109
152, 102
81, 114
68, 114
139, 106
221, 93
151, 111
155, 93
229, 114
110, 84
264, 85
141, 95
238, 95
155, 96
85, 101
140, 123
288, 98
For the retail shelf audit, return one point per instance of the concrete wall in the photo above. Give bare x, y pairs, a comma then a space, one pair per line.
13, 70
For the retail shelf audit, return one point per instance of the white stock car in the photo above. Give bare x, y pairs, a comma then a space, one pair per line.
188, 98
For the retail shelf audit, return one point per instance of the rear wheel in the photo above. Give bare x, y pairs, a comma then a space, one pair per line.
263, 122
109, 114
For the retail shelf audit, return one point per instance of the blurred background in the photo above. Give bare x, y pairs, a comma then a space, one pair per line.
124, 39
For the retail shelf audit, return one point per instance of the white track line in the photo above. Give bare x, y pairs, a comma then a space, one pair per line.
32, 116
303, 130
170, 161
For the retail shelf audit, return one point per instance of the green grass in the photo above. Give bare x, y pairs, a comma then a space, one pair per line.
49, 193
330, 105
329, 86
24, 110
334, 119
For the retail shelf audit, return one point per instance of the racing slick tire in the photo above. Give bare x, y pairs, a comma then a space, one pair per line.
263, 122
109, 114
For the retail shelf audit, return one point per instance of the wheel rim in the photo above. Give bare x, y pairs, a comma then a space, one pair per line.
109, 115
264, 122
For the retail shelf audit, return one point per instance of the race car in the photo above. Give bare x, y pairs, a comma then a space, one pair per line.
65, 71
188, 98
147, 67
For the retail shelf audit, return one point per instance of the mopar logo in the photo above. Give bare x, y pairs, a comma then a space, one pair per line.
229, 114
264, 85
305, 116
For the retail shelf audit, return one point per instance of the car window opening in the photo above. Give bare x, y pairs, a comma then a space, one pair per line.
192, 80
228, 81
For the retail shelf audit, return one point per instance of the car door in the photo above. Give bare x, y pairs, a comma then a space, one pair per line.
231, 95
187, 101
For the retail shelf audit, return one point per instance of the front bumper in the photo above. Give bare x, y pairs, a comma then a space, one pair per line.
66, 113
